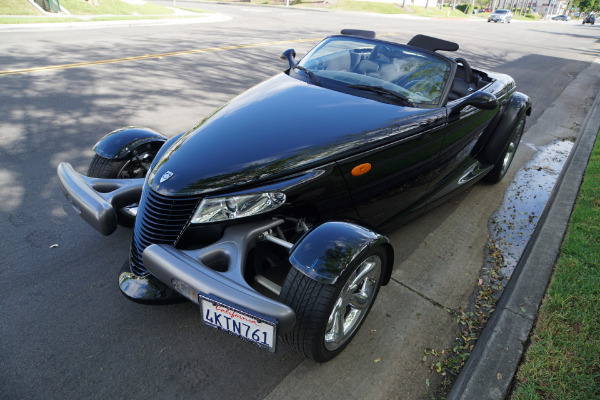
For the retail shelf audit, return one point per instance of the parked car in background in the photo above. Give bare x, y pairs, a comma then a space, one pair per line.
501, 16
561, 18
590, 19
270, 214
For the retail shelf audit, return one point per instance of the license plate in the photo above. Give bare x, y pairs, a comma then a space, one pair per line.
255, 329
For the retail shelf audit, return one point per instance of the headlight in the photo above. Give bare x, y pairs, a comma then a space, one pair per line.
224, 208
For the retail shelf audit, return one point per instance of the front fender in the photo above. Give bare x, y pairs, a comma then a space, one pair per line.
518, 106
118, 144
325, 252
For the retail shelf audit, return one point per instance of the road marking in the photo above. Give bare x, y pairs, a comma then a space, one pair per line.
150, 56
161, 55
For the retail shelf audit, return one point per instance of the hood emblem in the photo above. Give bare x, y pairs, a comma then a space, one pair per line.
166, 176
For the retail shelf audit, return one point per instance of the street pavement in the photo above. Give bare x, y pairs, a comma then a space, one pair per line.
374, 356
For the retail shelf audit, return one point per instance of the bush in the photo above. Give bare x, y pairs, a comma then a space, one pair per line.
462, 7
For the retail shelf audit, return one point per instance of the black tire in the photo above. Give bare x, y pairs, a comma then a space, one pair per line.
502, 165
128, 168
317, 305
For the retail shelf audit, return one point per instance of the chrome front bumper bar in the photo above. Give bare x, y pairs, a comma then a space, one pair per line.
218, 270
96, 199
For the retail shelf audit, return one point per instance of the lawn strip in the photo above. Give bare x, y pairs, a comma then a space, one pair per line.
563, 359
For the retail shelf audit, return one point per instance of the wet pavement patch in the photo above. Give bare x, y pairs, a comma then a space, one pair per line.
513, 223
511, 227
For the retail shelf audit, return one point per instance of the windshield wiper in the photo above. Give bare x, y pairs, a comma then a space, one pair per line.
381, 90
312, 76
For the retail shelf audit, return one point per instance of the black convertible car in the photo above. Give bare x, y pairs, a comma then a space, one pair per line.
271, 213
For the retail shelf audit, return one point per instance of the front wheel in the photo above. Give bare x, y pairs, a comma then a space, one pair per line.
502, 165
134, 166
328, 316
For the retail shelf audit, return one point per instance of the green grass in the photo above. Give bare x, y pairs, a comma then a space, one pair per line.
381, 8
34, 20
113, 7
526, 17
353, 5
17, 7
563, 359
106, 10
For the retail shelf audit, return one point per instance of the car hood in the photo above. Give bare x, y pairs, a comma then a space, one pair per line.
276, 128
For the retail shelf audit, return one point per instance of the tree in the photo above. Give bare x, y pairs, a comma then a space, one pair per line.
587, 5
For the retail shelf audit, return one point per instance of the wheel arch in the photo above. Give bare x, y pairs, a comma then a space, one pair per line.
518, 106
326, 251
120, 143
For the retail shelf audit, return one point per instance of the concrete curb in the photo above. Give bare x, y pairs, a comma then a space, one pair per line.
489, 371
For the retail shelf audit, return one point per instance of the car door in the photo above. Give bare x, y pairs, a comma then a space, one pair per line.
390, 181
457, 163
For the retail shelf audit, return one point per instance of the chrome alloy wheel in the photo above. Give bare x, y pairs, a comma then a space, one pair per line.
353, 303
512, 148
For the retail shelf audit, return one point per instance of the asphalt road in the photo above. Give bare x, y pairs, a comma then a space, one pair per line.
65, 329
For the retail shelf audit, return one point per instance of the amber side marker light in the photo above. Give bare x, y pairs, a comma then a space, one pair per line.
361, 169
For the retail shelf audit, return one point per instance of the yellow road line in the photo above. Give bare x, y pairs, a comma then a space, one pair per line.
149, 57
152, 56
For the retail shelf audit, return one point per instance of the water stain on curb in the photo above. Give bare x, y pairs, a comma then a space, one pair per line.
511, 227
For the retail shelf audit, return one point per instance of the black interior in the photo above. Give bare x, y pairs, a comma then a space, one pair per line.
465, 81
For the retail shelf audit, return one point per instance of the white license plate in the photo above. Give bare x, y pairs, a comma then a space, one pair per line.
237, 322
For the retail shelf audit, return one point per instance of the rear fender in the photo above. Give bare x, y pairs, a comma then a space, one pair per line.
518, 106
120, 143
327, 250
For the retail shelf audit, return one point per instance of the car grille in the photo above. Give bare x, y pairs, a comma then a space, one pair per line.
160, 220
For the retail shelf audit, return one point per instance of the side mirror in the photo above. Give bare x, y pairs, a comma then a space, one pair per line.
481, 100
290, 55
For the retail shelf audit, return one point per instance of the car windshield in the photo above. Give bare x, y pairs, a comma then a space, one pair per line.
381, 70
501, 11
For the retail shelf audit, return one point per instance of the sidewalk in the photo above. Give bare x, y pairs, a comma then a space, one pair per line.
489, 372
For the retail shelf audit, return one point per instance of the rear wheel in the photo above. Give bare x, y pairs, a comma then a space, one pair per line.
134, 166
328, 316
502, 165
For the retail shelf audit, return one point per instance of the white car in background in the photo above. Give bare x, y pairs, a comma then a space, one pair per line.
500, 16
